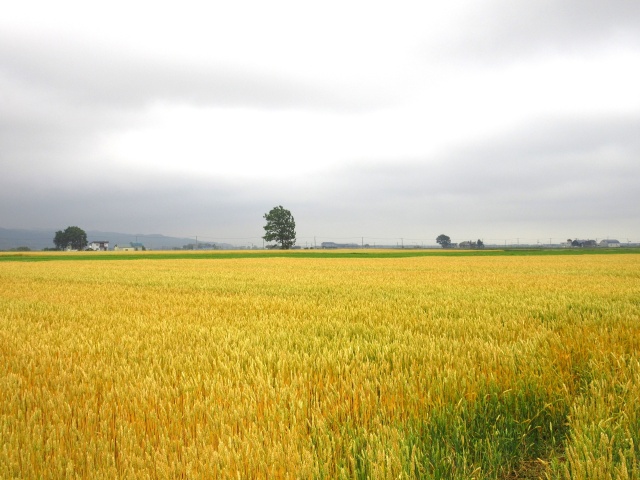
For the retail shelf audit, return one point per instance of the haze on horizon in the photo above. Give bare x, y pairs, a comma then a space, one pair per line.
488, 119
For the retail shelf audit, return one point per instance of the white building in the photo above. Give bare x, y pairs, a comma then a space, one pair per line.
132, 247
99, 245
609, 243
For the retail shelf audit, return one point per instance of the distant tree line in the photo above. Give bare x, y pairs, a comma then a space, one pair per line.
445, 242
201, 246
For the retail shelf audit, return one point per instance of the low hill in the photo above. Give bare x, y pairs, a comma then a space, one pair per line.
39, 239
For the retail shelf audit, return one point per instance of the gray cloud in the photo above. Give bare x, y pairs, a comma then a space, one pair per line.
92, 76
143, 204
502, 30
564, 177
564, 174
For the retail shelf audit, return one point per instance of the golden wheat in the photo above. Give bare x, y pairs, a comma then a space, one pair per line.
430, 367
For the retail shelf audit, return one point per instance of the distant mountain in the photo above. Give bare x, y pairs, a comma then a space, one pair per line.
39, 239
34, 239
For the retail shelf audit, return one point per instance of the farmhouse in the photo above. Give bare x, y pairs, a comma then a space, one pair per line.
584, 243
132, 247
99, 245
609, 243
471, 244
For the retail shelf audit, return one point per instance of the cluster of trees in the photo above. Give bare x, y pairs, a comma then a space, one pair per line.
72, 237
582, 243
471, 244
445, 242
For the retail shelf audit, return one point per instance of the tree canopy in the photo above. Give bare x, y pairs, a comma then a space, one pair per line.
280, 228
444, 241
72, 237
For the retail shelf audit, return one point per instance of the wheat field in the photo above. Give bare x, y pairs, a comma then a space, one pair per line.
452, 367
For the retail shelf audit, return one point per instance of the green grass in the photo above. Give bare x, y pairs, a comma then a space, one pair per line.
492, 435
235, 254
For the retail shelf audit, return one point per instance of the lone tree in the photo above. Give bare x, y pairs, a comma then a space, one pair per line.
444, 241
280, 227
72, 237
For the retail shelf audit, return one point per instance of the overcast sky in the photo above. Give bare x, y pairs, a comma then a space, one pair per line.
385, 120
